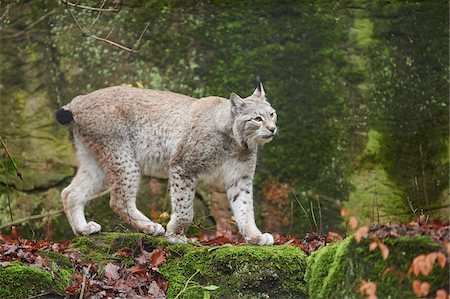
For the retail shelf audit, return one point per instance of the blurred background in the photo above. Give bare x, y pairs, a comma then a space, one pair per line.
361, 89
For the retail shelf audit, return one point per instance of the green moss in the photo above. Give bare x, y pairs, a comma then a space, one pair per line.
337, 272
318, 267
238, 271
21, 281
100, 247
59, 259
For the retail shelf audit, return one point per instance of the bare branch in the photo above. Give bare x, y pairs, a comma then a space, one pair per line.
98, 15
33, 217
100, 9
11, 159
30, 26
106, 39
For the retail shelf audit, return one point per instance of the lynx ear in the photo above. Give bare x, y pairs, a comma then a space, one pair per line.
237, 102
259, 91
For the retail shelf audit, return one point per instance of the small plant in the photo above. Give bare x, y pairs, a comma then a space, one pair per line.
189, 285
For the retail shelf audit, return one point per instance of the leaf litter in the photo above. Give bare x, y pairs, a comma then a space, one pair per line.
142, 280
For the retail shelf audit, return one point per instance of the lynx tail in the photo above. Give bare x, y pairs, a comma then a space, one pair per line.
64, 116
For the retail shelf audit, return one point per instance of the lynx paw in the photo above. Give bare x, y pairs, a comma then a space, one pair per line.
154, 229
261, 240
91, 228
177, 239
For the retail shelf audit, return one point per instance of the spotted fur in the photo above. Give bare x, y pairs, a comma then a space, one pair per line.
122, 133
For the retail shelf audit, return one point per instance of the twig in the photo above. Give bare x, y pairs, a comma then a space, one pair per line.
38, 295
7, 195
313, 216
11, 159
303, 209
98, 15
33, 217
52, 213
412, 207
320, 216
142, 34
101, 9
105, 40
30, 26
40, 188
186, 284
83, 284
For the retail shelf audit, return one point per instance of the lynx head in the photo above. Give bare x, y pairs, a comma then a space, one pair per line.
254, 118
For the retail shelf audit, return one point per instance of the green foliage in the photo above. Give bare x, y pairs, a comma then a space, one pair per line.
337, 272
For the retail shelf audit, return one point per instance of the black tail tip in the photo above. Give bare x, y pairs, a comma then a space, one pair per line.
64, 116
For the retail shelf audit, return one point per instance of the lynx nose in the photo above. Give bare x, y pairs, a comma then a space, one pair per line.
271, 129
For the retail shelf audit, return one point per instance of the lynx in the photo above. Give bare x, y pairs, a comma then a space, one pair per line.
122, 133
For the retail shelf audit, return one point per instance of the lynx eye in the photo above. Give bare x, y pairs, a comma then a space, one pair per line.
272, 115
258, 119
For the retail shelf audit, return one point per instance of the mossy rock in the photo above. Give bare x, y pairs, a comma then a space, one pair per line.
20, 281
100, 248
336, 271
238, 272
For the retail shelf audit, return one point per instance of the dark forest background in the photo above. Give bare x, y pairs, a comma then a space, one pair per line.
361, 89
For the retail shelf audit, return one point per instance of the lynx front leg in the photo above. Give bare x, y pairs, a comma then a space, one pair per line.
240, 195
182, 192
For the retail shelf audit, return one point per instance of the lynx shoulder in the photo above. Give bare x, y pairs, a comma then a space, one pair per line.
122, 133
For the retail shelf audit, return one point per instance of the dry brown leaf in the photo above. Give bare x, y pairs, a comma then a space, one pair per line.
353, 222
373, 246
360, 233
368, 288
425, 288
441, 294
111, 271
442, 260
447, 246
344, 212
416, 285
431, 258
416, 265
384, 250
420, 288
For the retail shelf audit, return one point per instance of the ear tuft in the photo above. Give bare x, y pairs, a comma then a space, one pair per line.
259, 91
258, 83
236, 102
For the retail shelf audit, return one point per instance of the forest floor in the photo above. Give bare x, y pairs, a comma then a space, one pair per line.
142, 278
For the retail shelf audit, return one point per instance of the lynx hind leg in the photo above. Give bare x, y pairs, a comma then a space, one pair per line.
182, 193
123, 177
87, 183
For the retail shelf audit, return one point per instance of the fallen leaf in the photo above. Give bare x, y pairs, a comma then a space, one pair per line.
416, 285
360, 233
442, 260
155, 291
125, 252
373, 246
384, 250
368, 288
425, 288
157, 258
441, 294
112, 271
353, 222
447, 246
420, 288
